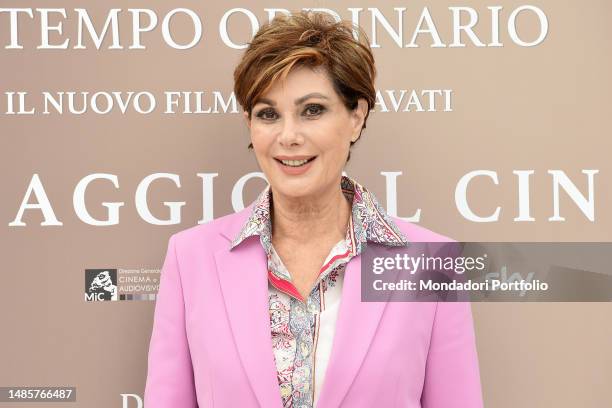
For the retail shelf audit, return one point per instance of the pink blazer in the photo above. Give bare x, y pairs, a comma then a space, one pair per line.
211, 344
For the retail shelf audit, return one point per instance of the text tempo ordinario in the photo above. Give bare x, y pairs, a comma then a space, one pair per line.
118, 29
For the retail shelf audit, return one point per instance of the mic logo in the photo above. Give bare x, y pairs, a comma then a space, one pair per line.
100, 285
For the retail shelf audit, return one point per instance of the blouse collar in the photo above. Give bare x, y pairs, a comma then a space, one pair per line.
369, 222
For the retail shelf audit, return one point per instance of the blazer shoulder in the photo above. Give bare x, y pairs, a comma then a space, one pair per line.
220, 229
418, 233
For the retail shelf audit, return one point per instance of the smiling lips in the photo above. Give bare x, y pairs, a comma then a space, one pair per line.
295, 165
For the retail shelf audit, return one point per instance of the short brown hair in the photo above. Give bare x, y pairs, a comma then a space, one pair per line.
307, 38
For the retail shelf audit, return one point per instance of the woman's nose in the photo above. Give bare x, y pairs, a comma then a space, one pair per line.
290, 134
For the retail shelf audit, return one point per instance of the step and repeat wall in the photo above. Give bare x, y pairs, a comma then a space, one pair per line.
119, 127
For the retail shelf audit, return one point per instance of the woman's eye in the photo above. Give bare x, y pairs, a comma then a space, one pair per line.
314, 109
264, 112
270, 114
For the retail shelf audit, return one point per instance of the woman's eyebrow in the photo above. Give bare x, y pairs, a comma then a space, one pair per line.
310, 95
297, 101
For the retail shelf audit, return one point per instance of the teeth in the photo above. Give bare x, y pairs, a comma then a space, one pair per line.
294, 163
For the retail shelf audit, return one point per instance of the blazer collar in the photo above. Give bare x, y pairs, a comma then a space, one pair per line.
233, 223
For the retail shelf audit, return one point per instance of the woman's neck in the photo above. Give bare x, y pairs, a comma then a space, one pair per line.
304, 218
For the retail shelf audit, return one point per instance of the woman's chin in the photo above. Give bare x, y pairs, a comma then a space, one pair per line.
292, 188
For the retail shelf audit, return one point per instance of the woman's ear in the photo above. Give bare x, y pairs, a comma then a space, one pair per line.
359, 114
248, 123
246, 119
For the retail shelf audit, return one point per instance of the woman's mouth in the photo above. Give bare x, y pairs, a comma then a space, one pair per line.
296, 163
295, 167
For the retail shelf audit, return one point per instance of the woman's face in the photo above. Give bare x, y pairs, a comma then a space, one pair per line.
302, 119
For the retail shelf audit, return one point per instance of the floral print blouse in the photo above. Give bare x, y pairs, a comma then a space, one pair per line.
302, 330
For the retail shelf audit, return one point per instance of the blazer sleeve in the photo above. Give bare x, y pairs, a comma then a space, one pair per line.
452, 376
170, 381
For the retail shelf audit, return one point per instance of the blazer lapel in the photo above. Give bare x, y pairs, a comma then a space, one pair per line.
355, 328
244, 284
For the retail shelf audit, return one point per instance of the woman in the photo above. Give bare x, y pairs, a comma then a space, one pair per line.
263, 307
